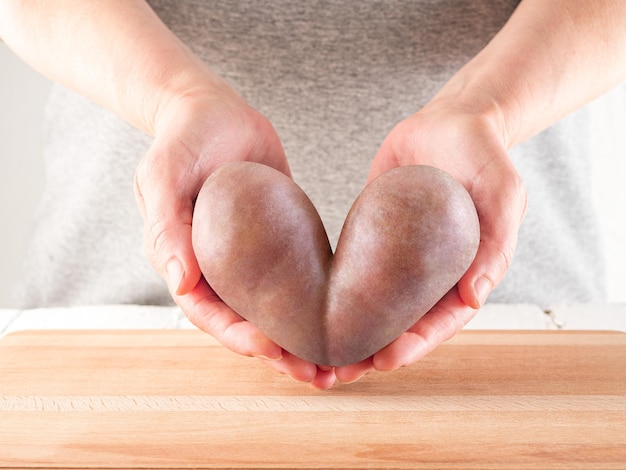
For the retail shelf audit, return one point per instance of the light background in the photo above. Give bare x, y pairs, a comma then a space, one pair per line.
22, 97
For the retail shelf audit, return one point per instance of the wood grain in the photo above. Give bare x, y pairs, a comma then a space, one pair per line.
176, 399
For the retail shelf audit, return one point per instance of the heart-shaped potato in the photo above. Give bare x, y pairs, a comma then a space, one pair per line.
407, 240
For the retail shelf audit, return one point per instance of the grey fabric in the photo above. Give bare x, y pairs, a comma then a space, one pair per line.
87, 241
333, 78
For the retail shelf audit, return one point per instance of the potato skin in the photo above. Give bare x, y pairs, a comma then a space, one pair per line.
407, 240
263, 249
409, 237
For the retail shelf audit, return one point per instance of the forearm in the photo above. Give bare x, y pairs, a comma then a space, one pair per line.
549, 59
119, 54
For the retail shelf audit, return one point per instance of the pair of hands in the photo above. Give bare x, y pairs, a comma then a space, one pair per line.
195, 134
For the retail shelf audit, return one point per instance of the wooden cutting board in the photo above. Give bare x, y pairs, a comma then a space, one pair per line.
176, 399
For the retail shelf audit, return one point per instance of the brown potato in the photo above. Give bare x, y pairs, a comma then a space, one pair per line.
409, 237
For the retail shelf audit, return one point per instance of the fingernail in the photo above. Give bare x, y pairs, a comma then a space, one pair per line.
483, 289
269, 358
174, 274
355, 379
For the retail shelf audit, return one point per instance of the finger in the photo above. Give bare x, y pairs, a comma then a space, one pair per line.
293, 366
501, 205
441, 323
489, 267
166, 203
324, 379
352, 373
207, 311
303, 371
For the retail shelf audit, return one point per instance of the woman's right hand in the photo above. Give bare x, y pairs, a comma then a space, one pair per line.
195, 133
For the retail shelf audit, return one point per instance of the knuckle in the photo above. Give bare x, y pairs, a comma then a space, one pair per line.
139, 195
517, 194
155, 243
501, 258
505, 256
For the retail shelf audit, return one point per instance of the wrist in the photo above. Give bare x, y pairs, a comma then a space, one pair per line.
174, 101
469, 95
192, 83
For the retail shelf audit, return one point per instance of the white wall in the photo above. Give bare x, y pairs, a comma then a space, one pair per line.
22, 94
609, 175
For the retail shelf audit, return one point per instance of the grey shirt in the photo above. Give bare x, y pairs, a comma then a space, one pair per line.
333, 77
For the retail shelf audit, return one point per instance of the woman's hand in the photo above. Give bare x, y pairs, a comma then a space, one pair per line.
471, 149
195, 134
549, 59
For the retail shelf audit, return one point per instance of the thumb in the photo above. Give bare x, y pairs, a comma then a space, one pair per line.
167, 215
489, 267
501, 207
